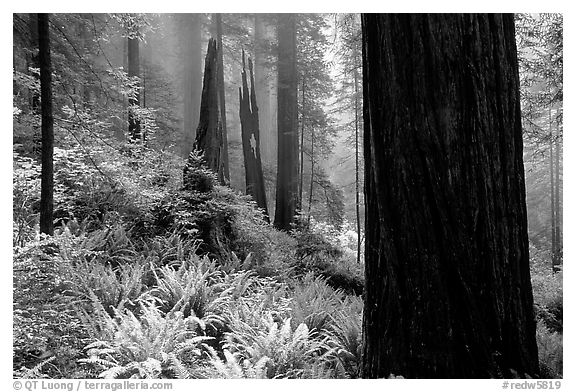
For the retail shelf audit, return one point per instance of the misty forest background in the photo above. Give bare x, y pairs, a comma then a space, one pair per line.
247, 262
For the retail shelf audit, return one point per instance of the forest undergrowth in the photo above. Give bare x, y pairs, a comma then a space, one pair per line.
149, 276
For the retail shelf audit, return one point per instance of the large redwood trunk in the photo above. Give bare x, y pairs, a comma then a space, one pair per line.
448, 292
251, 139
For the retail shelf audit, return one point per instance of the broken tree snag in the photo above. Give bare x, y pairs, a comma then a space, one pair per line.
251, 139
209, 132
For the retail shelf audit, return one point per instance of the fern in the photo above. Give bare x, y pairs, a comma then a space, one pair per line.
314, 303
145, 346
345, 337
36, 371
277, 351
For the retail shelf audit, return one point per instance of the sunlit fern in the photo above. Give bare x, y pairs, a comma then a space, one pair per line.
148, 346
280, 350
314, 302
345, 337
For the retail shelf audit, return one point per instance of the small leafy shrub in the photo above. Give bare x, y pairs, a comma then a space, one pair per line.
312, 245
48, 335
221, 220
25, 198
328, 259
548, 292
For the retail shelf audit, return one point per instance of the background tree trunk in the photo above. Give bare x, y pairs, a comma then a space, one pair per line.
209, 132
357, 160
287, 173
448, 291
32, 60
251, 140
191, 26
222, 100
266, 102
311, 189
558, 214
554, 244
134, 130
302, 120
47, 179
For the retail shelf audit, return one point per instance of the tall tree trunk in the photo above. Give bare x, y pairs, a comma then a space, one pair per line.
191, 25
554, 244
302, 120
287, 174
558, 213
134, 129
251, 140
261, 71
209, 132
555, 183
222, 100
32, 59
448, 292
264, 94
311, 190
357, 160
47, 179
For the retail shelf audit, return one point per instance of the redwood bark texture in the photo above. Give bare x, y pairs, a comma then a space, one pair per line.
251, 139
209, 132
448, 292
47, 176
287, 173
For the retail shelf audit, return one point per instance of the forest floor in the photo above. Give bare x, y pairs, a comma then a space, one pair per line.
146, 279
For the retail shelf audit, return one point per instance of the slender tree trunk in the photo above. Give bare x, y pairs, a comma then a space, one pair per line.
264, 94
448, 291
209, 132
554, 245
222, 100
287, 174
555, 196
134, 129
191, 25
357, 163
32, 60
311, 190
47, 179
251, 140
261, 71
144, 87
302, 120
558, 214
